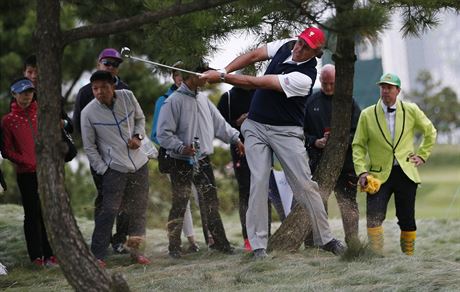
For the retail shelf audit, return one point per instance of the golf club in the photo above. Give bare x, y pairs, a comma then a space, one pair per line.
126, 52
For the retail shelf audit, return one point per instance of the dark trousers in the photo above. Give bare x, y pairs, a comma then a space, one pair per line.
34, 229
122, 223
404, 190
121, 189
345, 193
274, 198
243, 177
182, 176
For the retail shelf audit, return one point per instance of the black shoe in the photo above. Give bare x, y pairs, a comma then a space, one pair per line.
260, 254
335, 246
225, 249
308, 243
174, 254
119, 248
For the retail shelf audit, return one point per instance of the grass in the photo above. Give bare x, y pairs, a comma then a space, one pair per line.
435, 266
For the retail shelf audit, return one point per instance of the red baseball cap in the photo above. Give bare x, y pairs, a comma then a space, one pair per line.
313, 36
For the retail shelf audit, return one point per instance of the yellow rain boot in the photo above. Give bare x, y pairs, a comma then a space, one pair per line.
375, 236
408, 242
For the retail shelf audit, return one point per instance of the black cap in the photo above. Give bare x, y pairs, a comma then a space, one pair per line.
102, 76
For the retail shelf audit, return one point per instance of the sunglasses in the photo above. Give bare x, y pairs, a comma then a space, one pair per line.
108, 63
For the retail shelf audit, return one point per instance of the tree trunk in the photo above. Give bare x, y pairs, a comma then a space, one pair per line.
76, 261
294, 229
290, 235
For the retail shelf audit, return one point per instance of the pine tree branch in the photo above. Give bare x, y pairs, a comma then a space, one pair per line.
134, 22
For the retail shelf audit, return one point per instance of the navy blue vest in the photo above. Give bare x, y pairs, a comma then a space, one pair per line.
273, 107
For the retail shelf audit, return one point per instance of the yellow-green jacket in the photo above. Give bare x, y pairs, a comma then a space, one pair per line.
373, 140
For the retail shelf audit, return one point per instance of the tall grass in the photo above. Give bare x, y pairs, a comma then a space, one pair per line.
435, 266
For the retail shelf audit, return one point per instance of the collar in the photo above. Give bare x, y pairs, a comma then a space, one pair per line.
384, 107
326, 95
183, 88
290, 61
117, 80
113, 101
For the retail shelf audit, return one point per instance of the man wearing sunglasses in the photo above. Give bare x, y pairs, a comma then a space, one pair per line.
109, 60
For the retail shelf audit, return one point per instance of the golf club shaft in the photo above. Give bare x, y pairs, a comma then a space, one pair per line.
166, 66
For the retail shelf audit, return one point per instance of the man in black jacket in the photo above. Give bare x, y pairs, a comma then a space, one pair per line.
317, 130
109, 60
234, 106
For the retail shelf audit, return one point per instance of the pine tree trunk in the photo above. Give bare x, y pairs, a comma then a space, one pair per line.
75, 259
294, 229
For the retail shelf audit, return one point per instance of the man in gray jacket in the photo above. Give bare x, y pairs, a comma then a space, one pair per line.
113, 126
184, 116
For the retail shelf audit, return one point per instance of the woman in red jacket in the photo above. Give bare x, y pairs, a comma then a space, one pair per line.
19, 132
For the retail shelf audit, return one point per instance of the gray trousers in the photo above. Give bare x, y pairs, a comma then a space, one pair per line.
130, 188
261, 141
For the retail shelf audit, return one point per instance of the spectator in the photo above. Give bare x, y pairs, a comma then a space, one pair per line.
234, 106
113, 126
186, 115
385, 134
19, 134
317, 129
187, 228
109, 60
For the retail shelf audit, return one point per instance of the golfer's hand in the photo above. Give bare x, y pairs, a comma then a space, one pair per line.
240, 148
188, 150
416, 160
363, 179
134, 143
211, 76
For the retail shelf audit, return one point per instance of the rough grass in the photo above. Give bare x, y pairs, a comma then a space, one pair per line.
435, 266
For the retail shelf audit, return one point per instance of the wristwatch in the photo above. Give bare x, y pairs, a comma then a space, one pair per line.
139, 136
222, 72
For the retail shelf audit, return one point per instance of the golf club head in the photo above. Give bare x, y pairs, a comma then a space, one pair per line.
125, 52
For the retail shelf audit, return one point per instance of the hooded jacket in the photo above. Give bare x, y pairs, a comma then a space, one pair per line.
106, 130
19, 131
186, 115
